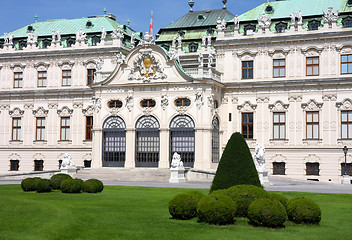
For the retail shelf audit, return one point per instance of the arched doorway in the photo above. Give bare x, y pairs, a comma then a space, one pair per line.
114, 142
182, 137
215, 141
147, 142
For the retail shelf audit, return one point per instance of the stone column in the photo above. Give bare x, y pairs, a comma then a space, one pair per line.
130, 148
97, 148
164, 148
202, 148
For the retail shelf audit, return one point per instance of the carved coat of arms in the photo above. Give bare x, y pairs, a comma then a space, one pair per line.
146, 67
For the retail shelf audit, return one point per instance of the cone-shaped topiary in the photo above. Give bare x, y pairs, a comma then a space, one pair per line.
236, 165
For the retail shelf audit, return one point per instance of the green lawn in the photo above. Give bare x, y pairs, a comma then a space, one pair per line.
142, 213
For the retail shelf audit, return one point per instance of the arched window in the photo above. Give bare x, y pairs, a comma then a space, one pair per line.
182, 139
215, 141
114, 142
313, 25
147, 142
193, 47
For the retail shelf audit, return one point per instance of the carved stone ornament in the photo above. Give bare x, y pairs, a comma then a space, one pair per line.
120, 58
247, 106
331, 15
311, 158
96, 104
41, 66
147, 111
38, 156
278, 158
129, 101
52, 105
312, 105
211, 100
66, 64
16, 112
14, 156
40, 112
117, 33
65, 112
220, 24
88, 111
146, 67
344, 105
278, 106
182, 110
164, 101
199, 99
147, 40
264, 21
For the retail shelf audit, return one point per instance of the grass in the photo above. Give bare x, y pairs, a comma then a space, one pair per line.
142, 213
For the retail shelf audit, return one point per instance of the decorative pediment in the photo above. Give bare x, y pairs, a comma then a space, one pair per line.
14, 156
16, 112
311, 158
312, 51
246, 55
89, 64
278, 106
65, 112
89, 111
345, 49
17, 66
78, 105
312, 105
66, 65
146, 67
41, 66
348, 159
344, 105
278, 53
38, 156
87, 156
40, 112
247, 106
278, 158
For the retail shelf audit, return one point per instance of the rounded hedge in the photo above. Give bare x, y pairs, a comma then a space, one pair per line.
57, 179
92, 186
244, 195
71, 186
216, 209
281, 198
303, 210
30, 184
267, 212
184, 206
44, 185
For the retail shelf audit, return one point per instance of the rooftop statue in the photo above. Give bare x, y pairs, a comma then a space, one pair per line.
221, 25
6, 40
103, 33
330, 16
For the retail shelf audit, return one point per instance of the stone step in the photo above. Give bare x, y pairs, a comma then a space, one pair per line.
125, 174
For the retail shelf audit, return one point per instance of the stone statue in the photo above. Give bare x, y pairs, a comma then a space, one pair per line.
58, 34
67, 161
211, 100
117, 33
11, 39
299, 17
176, 161
220, 25
133, 40
264, 21
204, 40
200, 59
173, 46
259, 157
53, 36
209, 41
199, 99
120, 58
98, 63
330, 16
293, 18
236, 21
179, 41
32, 38
147, 39
81, 35
6, 40
103, 33
164, 101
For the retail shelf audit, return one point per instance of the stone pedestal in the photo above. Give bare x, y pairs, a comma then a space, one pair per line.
263, 177
346, 179
177, 175
70, 170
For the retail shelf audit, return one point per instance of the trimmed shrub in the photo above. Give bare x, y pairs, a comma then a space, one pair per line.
92, 186
216, 209
43, 185
30, 184
184, 206
57, 179
281, 198
236, 165
72, 186
223, 192
244, 195
267, 212
303, 210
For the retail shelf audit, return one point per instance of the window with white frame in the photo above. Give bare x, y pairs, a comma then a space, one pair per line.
312, 124
279, 125
65, 129
16, 129
346, 124
40, 129
18, 80
66, 77
42, 78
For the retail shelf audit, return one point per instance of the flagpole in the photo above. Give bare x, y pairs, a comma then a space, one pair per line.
151, 25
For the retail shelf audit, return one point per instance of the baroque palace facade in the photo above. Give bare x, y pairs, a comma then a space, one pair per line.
280, 74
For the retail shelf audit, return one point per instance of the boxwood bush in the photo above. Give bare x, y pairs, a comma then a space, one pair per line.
216, 209
244, 195
303, 210
72, 186
43, 185
30, 184
92, 186
281, 198
267, 212
184, 206
57, 179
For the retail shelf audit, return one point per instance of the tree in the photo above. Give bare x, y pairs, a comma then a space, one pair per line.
236, 165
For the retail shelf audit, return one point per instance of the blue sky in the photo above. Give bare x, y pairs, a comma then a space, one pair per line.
16, 14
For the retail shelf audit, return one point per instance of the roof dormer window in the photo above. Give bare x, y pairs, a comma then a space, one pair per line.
349, 3
281, 27
200, 17
269, 9
30, 28
347, 22
249, 30
89, 24
313, 25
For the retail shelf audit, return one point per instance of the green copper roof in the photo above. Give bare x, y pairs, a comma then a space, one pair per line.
194, 19
71, 26
283, 9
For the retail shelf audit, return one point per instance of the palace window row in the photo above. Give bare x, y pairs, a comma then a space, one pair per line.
312, 67
42, 79
312, 168
312, 125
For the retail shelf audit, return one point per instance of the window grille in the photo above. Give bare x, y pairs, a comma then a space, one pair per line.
215, 141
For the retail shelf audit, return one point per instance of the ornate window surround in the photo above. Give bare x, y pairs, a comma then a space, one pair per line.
345, 105
312, 106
